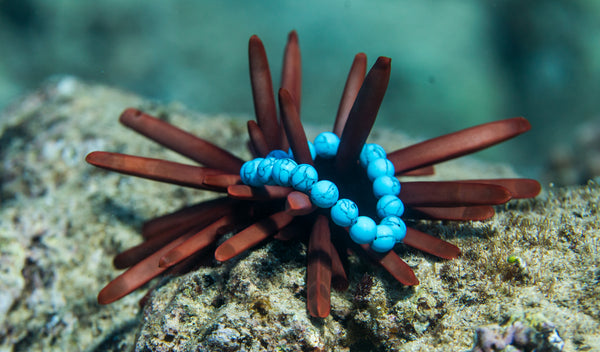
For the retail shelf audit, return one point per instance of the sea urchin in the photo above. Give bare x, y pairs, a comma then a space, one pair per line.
257, 213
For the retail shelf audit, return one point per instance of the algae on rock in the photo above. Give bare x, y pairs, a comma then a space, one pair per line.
62, 221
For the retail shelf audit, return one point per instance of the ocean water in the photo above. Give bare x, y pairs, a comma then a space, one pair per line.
455, 63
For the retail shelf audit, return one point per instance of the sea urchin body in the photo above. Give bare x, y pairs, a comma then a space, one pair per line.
274, 209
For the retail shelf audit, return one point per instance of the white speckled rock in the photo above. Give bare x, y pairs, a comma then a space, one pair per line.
62, 221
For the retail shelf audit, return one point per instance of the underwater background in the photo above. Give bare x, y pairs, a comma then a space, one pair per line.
529, 276
454, 63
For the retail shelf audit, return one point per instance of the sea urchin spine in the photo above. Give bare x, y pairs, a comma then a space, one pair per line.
257, 213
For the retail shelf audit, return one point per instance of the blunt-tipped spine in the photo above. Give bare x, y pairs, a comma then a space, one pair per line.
180, 141
291, 73
362, 115
430, 244
457, 144
318, 272
262, 92
355, 79
293, 128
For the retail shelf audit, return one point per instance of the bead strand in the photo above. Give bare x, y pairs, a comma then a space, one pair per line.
279, 168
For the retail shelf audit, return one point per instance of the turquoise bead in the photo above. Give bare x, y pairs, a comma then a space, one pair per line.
324, 194
278, 154
280, 169
264, 170
370, 152
304, 176
389, 205
380, 167
249, 172
326, 145
397, 225
364, 230
282, 172
401, 233
311, 149
384, 185
391, 220
344, 213
384, 240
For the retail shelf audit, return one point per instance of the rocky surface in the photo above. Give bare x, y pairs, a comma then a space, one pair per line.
536, 258
62, 221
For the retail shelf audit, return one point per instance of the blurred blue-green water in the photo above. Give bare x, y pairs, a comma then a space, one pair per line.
455, 63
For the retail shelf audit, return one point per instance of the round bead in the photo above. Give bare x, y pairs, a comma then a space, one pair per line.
278, 154
278, 168
249, 173
311, 149
304, 176
380, 167
402, 233
371, 151
397, 225
344, 212
282, 171
384, 240
389, 205
391, 220
326, 145
264, 170
384, 185
324, 194
364, 230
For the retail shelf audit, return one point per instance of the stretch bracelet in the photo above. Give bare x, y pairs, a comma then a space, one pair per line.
279, 168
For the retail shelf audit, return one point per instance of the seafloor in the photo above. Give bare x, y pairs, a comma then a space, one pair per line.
62, 221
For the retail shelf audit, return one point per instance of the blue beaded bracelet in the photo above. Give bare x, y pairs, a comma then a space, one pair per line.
279, 168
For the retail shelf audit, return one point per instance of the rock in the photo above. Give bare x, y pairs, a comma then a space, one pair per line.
62, 221
531, 333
